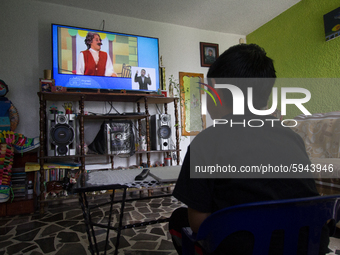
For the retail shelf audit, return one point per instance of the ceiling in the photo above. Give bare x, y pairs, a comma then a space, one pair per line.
226, 16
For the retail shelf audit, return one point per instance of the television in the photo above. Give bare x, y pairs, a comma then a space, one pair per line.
94, 59
332, 24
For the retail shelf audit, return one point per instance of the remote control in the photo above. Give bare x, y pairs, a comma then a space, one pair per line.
142, 175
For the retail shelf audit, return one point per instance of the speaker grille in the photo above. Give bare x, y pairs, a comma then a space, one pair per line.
160, 131
62, 149
62, 134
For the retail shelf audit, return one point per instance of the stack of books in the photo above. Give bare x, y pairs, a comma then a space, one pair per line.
19, 184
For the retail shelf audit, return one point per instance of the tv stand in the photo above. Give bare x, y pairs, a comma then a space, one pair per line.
82, 98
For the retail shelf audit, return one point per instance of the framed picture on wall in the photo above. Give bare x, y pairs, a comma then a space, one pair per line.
209, 53
192, 119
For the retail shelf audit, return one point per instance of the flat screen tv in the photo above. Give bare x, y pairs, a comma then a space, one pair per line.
332, 24
94, 59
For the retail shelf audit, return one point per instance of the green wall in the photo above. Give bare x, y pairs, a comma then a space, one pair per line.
296, 41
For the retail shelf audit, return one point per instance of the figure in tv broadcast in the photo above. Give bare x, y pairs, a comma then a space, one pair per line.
93, 61
143, 80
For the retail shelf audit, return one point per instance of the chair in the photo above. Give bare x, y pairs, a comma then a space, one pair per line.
261, 219
126, 71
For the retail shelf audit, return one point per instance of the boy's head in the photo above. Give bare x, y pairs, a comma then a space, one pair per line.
244, 61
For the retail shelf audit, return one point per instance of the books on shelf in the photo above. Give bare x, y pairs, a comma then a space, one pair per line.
55, 174
52, 172
19, 184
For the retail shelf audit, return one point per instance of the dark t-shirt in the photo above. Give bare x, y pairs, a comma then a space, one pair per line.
241, 145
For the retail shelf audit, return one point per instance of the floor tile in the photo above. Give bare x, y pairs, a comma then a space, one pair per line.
56, 217
72, 248
166, 245
157, 231
16, 248
29, 236
68, 237
67, 223
6, 230
27, 250
23, 228
145, 237
51, 229
144, 246
5, 244
46, 244
61, 230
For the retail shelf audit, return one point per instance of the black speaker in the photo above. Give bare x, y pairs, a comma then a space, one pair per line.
160, 131
61, 134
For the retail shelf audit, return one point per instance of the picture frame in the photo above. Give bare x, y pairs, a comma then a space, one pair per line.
209, 53
190, 114
46, 85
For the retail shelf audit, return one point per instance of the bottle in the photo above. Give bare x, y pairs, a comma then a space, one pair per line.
30, 188
171, 89
167, 161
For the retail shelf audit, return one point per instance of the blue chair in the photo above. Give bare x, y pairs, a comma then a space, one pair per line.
261, 219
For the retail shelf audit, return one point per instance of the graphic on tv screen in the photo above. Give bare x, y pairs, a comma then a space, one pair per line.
84, 58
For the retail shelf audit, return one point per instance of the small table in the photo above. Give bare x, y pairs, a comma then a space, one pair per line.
85, 185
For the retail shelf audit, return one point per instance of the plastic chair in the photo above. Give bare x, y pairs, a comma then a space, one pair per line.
261, 219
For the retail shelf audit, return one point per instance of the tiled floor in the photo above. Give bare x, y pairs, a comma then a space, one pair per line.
61, 230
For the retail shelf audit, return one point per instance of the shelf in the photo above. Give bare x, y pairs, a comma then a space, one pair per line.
102, 155
118, 117
158, 100
141, 152
136, 97
61, 198
118, 97
62, 157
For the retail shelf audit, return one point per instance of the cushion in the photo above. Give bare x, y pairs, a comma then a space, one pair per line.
320, 133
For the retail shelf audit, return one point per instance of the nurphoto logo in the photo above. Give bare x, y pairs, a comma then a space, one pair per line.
208, 92
239, 103
238, 100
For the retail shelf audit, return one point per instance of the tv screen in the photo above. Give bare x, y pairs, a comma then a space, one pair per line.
332, 24
94, 59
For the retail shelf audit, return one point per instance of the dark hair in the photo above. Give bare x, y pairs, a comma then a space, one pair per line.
89, 38
246, 61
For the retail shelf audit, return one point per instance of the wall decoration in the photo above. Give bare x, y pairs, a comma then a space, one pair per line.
192, 120
209, 53
332, 24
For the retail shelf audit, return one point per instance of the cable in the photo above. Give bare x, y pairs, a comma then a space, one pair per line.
174, 154
160, 112
103, 24
112, 107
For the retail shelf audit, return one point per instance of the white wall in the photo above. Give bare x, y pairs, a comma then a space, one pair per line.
26, 48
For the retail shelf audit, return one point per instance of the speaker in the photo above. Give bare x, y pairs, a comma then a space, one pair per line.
119, 137
160, 131
61, 134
